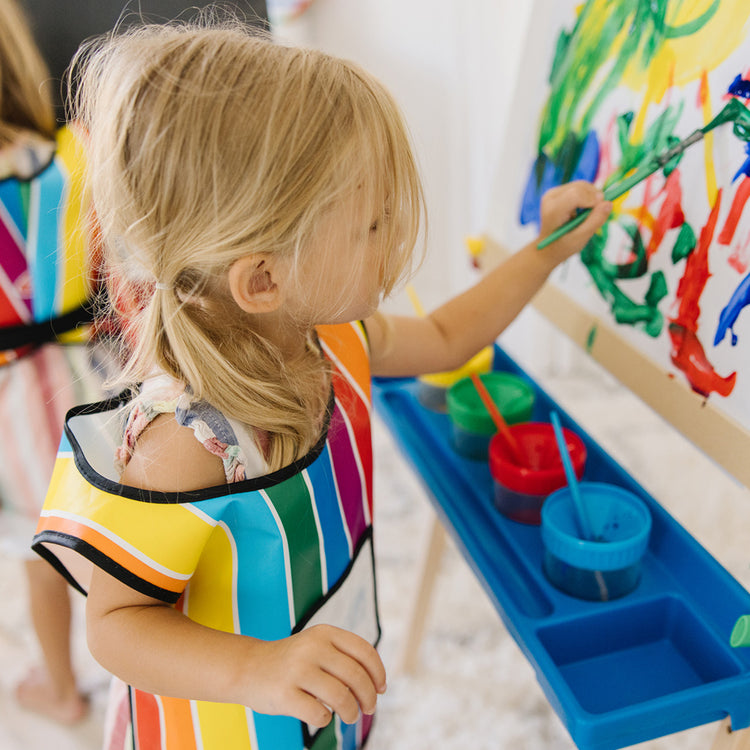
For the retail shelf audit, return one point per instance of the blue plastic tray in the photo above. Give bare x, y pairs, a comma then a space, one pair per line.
654, 662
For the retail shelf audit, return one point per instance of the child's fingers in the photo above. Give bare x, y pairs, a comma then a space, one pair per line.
334, 694
306, 707
573, 195
355, 678
364, 654
599, 214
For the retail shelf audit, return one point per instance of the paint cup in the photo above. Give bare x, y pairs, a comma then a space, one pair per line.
520, 491
607, 567
432, 389
472, 426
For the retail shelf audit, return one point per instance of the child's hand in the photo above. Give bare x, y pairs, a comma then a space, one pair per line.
559, 205
313, 673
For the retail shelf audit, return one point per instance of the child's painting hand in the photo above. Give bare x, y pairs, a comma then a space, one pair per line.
559, 205
314, 673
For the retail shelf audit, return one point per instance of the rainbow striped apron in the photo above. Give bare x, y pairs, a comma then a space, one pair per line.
263, 557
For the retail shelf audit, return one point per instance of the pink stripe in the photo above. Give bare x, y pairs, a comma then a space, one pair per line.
347, 476
55, 392
13, 260
117, 735
18, 454
366, 723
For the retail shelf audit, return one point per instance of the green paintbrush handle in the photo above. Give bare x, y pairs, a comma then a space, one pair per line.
612, 192
564, 229
734, 111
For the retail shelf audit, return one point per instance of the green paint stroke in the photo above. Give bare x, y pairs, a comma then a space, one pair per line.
646, 314
591, 338
588, 65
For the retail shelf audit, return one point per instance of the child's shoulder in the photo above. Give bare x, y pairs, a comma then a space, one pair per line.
166, 429
168, 458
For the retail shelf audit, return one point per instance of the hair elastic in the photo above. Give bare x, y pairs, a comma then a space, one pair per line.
163, 287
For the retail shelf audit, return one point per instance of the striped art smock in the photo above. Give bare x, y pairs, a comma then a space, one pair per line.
262, 557
45, 263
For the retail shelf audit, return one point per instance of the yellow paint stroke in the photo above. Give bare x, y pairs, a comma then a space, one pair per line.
708, 142
643, 217
657, 86
416, 303
474, 245
686, 58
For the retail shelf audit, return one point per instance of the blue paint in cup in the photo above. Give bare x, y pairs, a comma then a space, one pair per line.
608, 566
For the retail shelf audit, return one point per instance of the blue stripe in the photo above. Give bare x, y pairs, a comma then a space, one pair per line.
278, 732
261, 575
329, 513
348, 735
10, 197
261, 580
64, 444
49, 189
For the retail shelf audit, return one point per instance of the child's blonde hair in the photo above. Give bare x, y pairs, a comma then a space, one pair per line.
209, 143
25, 101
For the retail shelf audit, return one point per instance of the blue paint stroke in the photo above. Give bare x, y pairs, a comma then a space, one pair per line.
728, 316
545, 174
745, 168
740, 87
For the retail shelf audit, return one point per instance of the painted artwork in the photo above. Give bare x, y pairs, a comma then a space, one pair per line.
607, 86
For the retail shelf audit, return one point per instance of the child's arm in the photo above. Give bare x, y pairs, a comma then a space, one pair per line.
457, 330
156, 648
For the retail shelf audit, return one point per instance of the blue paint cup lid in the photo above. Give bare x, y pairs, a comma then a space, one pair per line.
620, 520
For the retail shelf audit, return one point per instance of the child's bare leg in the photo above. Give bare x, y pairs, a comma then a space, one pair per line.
51, 690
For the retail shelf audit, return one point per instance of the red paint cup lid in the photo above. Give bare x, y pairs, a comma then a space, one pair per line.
543, 472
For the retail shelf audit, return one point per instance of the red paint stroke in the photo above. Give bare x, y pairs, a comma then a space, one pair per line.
735, 212
687, 351
693, 281
670, 215
605, 152
739, 257
689, 356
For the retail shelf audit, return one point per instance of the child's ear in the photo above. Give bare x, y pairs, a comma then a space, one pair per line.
253, 284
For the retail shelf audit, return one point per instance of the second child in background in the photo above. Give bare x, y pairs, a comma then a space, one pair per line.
46, 366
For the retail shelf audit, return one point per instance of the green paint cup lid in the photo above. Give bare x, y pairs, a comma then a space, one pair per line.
741, 632
513, 396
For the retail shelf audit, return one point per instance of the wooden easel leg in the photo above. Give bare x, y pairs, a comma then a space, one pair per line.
429, 566
726, 739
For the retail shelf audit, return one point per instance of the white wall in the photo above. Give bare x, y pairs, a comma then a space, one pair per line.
451, 65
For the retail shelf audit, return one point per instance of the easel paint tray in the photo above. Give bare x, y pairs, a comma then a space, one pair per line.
654, 662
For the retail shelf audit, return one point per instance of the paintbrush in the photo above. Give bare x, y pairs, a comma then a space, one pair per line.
502, 426
734, 111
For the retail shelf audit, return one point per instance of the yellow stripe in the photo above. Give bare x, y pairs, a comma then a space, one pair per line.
211, 592
73, 232
223, 725
165, 533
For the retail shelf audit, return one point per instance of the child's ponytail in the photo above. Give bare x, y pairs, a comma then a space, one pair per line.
208, 145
